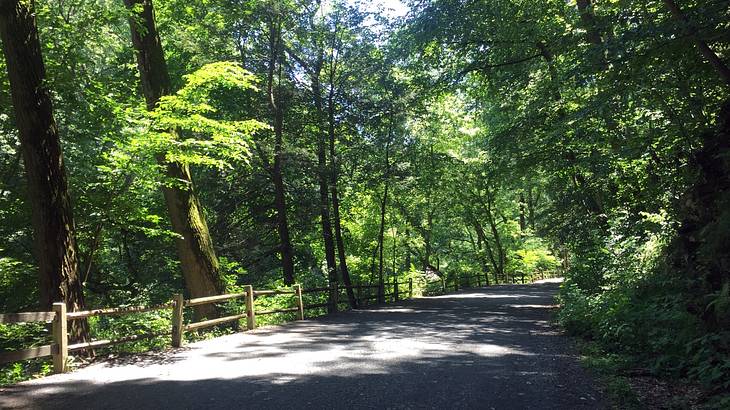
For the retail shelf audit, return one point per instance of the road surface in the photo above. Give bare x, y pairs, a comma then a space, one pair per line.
488, 348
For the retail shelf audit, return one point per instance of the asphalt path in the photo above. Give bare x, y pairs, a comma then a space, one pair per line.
487, 348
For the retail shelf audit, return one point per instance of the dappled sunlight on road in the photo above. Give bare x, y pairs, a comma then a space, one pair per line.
464, 348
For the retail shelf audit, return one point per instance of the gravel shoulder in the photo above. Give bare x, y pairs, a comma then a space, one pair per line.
492, 348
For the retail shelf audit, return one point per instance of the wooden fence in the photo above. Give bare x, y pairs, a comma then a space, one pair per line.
60, 349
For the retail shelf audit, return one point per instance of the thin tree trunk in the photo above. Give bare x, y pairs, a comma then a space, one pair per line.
334, 175
523, 213
324, 200
50, 202
497, 244
478, 248
483, 238
501, 259
336, 209
197, 256
531, 208
408, 249
287, 254
276, 105
383, 205
381, 235
427, 242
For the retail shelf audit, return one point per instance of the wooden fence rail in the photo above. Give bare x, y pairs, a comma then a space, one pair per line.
59, 318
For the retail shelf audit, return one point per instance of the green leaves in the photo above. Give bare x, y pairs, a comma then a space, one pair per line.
194, 125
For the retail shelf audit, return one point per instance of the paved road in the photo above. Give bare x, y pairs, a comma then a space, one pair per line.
489, 348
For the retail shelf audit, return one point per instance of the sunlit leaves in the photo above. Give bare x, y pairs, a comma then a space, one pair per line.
190, 126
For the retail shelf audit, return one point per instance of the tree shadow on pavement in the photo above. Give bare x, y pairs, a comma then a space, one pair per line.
479, 348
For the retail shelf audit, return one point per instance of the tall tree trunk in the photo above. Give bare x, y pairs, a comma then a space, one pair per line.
523, 213
287, 254
383, 205
408, 249
195, 250
531, 208
276, 104
53, 225
427, 249
481, 235
336, 201
334, 174
501, 260
381, 236
323, 175
479, 251
712, 57
501, 257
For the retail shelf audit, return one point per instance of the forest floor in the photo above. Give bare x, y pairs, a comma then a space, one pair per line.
479, 348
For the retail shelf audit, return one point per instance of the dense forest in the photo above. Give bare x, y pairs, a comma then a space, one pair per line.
149, 147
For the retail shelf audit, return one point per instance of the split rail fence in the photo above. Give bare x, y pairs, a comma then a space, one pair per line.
60, 349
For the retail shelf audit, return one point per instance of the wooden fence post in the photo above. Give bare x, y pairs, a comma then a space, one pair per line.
250, 311
177, 319
395, 288
300, 303
60, 338
410, 288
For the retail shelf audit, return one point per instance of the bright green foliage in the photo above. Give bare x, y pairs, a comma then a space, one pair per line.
514, 139
189, 127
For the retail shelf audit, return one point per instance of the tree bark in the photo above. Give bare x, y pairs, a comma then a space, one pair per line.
479, 250
336, 204
276, 105
427, 249
497, 244
482, 237
531, 208
323, 175
381, 236
50, 202
408, 249
287, 254
333, 175
383, 205
523, 213
197, 256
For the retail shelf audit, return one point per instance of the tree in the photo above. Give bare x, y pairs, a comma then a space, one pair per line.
312, 44
276, 104
53, 224
198, 260
335, 52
